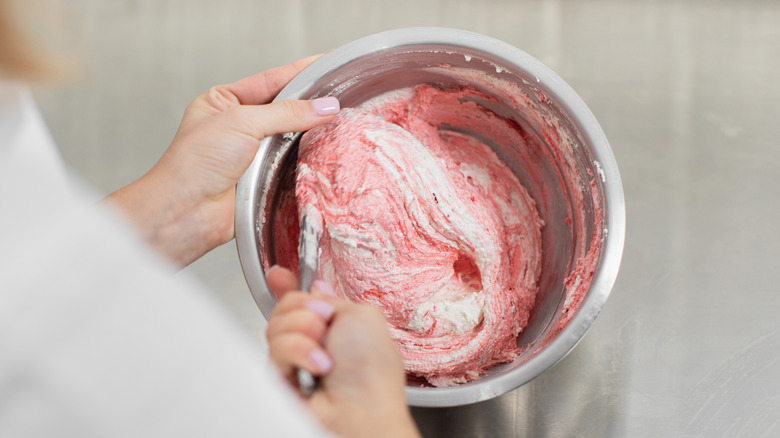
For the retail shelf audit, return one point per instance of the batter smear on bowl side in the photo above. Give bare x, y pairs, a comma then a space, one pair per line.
428, 224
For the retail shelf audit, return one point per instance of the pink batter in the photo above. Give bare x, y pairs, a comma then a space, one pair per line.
429, 225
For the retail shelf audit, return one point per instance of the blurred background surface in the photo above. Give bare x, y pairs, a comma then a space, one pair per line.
687, 93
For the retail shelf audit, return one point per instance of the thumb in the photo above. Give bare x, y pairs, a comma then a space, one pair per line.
288, 115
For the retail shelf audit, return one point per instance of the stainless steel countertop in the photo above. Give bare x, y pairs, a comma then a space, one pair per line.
687, 93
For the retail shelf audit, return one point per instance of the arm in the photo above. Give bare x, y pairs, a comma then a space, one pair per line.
184, 205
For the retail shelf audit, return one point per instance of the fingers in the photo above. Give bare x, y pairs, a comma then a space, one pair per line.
280, 281
295, 336
260, 121
322, 287
258, 89
296, 332
298, 326
263, 87
246, 108
308, 322
292, 351
294, 300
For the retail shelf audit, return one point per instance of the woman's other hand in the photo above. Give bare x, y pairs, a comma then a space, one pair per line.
184, 205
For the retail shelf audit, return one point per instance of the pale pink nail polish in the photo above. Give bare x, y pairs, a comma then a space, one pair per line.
321, 308
326, 106
321, 360
324, 287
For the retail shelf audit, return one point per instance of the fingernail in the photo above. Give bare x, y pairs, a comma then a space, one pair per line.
321, 360
324, 287
271, 269
321, 308
325, 106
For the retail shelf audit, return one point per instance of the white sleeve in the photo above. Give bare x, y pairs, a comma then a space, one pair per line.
98, 338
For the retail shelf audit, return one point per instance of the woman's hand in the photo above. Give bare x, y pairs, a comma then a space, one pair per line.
184, 205
348, 345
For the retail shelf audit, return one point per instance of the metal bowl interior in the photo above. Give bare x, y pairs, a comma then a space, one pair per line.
383, 62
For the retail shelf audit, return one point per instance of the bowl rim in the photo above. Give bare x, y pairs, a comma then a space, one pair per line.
556, 89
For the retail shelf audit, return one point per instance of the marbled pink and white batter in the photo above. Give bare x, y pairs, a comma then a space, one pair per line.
427, 224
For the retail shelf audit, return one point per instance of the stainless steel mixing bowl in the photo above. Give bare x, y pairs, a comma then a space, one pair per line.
386, 61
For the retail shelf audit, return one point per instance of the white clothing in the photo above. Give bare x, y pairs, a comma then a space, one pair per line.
97, 337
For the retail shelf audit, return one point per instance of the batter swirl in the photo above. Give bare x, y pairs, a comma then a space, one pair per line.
428, 224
